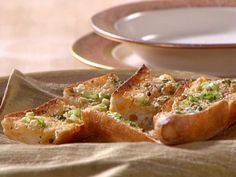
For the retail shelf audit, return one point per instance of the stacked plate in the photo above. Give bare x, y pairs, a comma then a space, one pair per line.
197, 36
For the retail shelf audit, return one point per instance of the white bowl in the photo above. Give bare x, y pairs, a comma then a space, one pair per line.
193, 37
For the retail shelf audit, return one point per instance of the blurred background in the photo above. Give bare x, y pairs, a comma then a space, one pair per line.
37, 35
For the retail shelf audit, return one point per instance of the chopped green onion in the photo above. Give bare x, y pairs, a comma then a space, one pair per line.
210, 95
119, 117
114, 115
38, 119
104, 95
131, 123
26, 119
75, 112
210, 86
106, 101
192, 98
144, 100
73, 117
41, 122
101, 107
29, 114
90, 95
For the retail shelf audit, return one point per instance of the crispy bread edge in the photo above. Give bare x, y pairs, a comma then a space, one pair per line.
136, 78
172, 129
107, 129
68, 136
97, 79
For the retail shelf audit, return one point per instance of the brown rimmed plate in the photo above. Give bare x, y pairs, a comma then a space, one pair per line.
100, 52
197, 36
96, 51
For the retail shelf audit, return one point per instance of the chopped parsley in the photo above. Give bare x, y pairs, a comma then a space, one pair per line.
41, 122
196, 101
143, 100
100, 107
192, 98
30, 116
210, 95
102, 95
117, 116
209, 86
89, 95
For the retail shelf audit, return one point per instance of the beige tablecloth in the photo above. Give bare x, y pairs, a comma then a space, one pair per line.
214, 158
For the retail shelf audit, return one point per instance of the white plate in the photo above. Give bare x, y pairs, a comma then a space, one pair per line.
199, 26
212, 26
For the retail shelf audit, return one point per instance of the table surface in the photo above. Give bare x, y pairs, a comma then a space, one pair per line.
37, 35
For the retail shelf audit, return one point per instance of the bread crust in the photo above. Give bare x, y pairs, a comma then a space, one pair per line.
55, 133
127, 106
173, 129
231, 99
139, 76
103, 128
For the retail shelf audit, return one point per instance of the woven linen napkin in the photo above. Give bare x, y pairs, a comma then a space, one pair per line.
214, 158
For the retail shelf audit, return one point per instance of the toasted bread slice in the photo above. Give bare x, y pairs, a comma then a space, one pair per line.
201, 112
142, 96
46, 124
49, 124
91, 92
105, 127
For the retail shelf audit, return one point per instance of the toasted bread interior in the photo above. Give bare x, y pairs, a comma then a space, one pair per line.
142, 96
46, 124
91, 92
105, 128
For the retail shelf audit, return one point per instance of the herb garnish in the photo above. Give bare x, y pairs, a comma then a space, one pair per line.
198, 100
119, 117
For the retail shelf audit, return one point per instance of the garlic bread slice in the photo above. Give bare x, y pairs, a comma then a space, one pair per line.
51, 123
142, 96
202, 111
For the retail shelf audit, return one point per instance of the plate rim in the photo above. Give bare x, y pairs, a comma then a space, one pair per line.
74, 50
105, 26
87, 61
